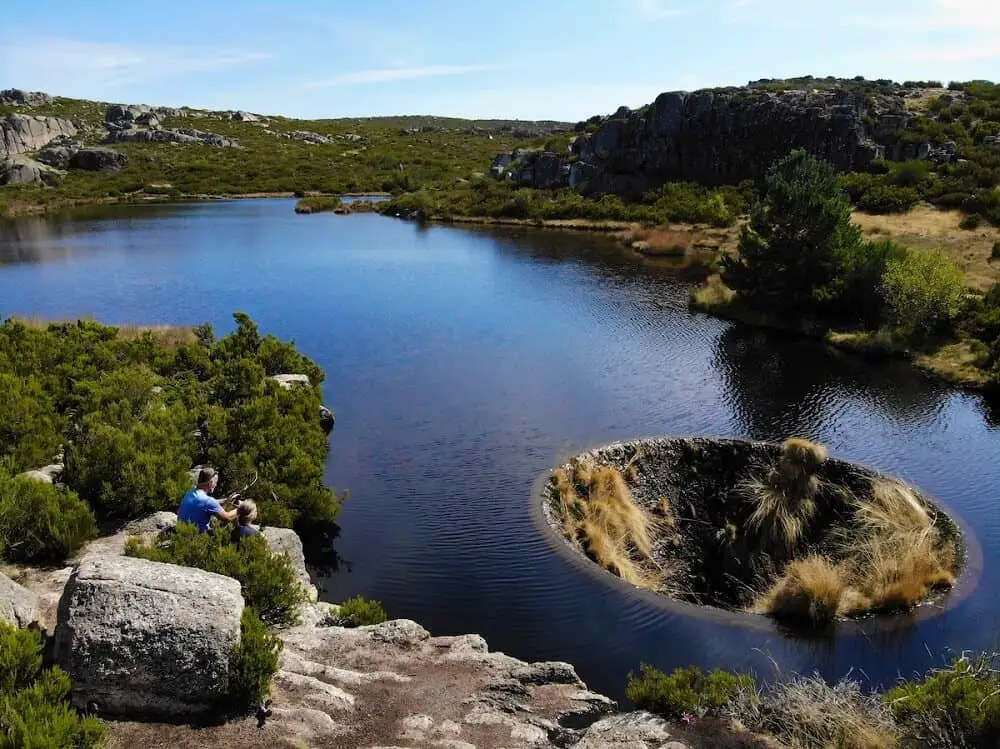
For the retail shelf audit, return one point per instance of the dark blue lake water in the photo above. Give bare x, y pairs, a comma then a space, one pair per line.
464, 363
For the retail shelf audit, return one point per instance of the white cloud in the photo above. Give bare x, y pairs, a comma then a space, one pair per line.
90, 68
386, 75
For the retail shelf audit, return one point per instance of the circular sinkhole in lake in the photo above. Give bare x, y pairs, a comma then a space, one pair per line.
775, 529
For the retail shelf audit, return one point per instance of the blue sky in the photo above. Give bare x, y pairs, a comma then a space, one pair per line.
528, 59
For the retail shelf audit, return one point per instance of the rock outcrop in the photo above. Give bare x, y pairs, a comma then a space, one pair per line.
22, 170
15, 97
287, 541
18, 605
142, 123
144, 638
723, 137
20, 133
306, 136
98, 159
58, 153
162, 135
394, 685
48, 473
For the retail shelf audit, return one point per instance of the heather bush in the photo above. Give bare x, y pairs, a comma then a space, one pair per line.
252, 663
685, 690
357, 612
41, 523
34, 702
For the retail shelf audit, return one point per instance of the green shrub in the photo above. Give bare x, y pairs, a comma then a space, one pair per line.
685, 690
924, 292
252, 663
40, 523
268, 580
791, 253
317, 204
34, 707
132, 470
956, 706
29, 430
888, 199
971, 222
358, 612
995, 253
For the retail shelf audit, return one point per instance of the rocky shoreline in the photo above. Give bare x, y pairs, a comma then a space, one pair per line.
121, 627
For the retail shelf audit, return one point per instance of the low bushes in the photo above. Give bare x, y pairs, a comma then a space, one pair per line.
357, 612
268, 580
686, 690
923, 292
252, 663
40, 523
34, 708
955, 706
136, 408
318, 203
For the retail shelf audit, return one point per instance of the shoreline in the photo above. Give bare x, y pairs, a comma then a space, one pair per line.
952, 363
20, 209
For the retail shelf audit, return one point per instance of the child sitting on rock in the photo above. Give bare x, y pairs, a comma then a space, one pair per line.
246, 513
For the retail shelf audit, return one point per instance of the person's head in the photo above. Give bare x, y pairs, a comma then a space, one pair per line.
208, 479
246, 513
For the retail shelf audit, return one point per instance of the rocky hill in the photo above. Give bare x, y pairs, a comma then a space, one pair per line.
724, 136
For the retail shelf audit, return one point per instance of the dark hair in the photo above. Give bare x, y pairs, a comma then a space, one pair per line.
205, 475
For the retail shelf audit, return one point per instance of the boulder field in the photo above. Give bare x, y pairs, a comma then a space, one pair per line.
146, 644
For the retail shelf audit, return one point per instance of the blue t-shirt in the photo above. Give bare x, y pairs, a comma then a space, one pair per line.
198, 508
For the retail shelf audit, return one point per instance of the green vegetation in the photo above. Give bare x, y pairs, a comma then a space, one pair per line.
801, 257
268, 580
252, 663
318, 203
40, 523
485, 197
135, 409
362, 155
357, 612
686, 690
957, 706
34, 707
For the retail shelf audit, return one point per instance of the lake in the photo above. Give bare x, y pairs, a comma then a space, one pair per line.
464, 363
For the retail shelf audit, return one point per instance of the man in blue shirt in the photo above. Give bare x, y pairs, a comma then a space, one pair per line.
198, 506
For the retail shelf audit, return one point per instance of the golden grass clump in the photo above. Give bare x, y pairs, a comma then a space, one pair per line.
810, 590
596, 509
893, 508
785, 497
900, 570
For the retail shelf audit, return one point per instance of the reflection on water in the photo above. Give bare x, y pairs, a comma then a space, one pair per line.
778, 387
464, 363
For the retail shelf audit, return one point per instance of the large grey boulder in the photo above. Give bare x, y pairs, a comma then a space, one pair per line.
20, 133
20, 170
145, 638
48, 474
287, 541
18, 605
18, 98
289, 381
58, 153
98, 159
121, 113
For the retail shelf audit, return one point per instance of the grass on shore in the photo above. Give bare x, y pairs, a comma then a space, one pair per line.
318, 204
167, 336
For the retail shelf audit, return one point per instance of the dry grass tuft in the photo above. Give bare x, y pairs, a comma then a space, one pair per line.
170, 336
712, 294
899, 570
808, 713
893, 508
810, 591
596, 509
785, 497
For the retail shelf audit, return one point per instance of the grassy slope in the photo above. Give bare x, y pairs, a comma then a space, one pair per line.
266, 163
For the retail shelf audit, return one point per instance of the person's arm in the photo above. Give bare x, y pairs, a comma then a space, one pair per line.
226, 516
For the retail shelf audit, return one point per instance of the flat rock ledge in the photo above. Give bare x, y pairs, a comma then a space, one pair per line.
131, 631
